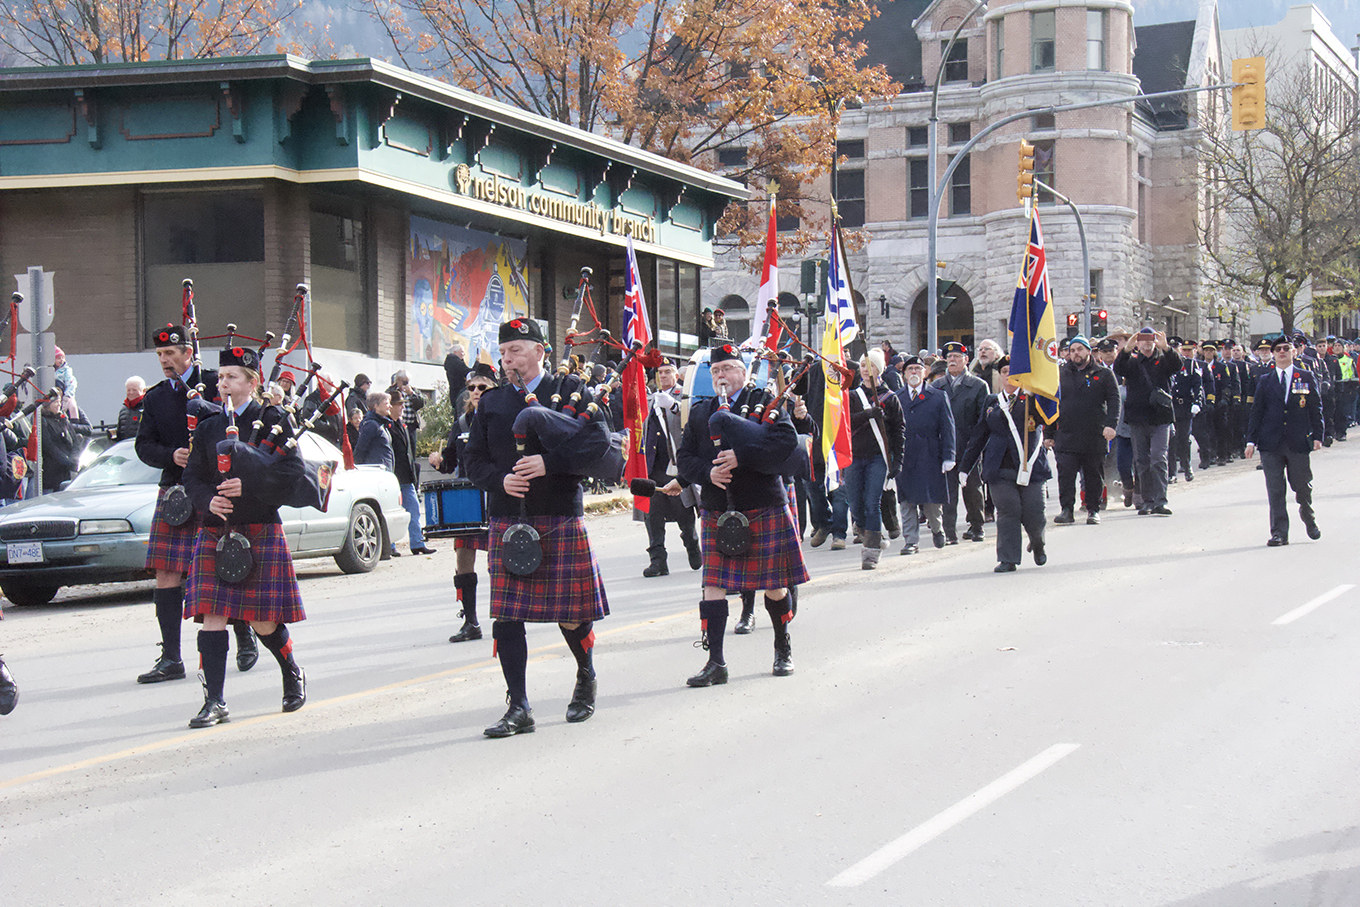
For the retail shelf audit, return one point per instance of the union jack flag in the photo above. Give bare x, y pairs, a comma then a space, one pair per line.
635, 327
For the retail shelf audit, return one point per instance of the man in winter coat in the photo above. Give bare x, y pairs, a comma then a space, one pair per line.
967, 399
1086, 424
1147, 365
375, 434
927, 457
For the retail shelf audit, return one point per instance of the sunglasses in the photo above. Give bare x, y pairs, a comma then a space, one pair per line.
478, 388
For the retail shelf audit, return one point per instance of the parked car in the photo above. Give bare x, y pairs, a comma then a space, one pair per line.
97, 529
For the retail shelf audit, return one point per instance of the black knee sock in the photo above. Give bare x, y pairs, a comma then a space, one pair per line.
212, 651
748, 603
169, 614
713, 621
780, 613
581, 641
281, 644
465, 586
512, 648
244, 638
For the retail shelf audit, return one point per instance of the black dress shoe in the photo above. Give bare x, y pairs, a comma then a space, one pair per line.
214, 712
1144, 511
909, 549
1277, 541
1311, 525
247, 651
938, 539
974, 535
783, 659
517, 720
747, 623
467, 633
696, 556
163, 669
582, 704
1004, 567
655, 568
9, 690
423, 550
712, 675
1160, 510
294, 691
1040, 556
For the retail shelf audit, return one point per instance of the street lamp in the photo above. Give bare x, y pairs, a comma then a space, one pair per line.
932, 167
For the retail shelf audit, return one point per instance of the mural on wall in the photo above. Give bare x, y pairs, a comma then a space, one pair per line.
463, 284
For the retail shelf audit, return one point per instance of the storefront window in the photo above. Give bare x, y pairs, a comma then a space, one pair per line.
217, 240
339, 294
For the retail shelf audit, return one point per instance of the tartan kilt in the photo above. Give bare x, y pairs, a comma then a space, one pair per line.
171, 547
774, 561
479, 542
269, 593
566, 587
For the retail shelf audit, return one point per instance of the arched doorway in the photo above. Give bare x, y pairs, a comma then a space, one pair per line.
954, 319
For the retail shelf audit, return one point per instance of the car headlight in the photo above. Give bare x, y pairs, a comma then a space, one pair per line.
103, 527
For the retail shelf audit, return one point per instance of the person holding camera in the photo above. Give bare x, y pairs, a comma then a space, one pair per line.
1147, 364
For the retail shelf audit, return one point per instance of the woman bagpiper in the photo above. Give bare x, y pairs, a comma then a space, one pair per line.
245, 501
481, 378
1014, 472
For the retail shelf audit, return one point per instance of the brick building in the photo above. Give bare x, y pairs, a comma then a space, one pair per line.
1133, 170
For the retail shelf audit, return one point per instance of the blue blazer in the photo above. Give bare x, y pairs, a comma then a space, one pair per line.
1286, 418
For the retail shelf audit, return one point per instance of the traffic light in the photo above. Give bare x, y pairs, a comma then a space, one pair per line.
1024, 189
1249, 97
1100, 323
1073, 324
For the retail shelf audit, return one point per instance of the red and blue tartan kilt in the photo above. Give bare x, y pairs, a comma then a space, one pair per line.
565, 588
479, 542
171, 547
774, 560
269, 593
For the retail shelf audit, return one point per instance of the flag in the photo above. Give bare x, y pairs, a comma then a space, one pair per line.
836, 404
634, 376
767, 296
1034, 339
842, 295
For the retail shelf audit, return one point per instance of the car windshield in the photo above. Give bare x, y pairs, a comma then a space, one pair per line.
116, 466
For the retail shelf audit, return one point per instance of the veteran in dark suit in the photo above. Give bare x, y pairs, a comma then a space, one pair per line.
1286, 426
967, 398
928, 456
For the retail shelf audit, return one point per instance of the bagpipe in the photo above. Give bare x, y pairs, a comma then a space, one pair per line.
178, 509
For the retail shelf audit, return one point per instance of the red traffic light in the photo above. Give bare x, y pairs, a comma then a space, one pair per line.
1072, 320
1102, 314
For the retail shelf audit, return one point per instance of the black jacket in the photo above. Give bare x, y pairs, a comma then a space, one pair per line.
266, 484
1187, 389
129, 420
329, 427
62, 442
886, 412
1226, 386
756, 483
490, 454
1090, 403
993, 444
453, 446
967, 400
164, 428
455, 372
404, 459
1142, 375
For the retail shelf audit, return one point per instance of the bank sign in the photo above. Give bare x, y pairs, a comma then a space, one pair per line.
494, 190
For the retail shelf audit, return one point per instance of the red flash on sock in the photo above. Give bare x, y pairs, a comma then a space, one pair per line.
493, 649
589, 642
703, 624
287, 648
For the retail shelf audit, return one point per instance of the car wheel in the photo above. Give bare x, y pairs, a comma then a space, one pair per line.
363, 542
29, 593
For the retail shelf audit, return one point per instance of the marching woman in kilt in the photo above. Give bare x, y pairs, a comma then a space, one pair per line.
480, 379
744, 478
541, 489
247, 503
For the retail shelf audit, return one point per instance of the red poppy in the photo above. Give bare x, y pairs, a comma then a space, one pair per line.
163, 336
237, 351
517, 325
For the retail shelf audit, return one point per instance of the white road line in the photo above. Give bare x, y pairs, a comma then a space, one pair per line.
1313, 605
890, 853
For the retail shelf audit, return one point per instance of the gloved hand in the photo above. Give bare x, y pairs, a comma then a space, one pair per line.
1194, 409
946, 466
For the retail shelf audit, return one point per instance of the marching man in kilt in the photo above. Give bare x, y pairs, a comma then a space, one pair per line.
163, 442
745, 478
247, 503
541, 489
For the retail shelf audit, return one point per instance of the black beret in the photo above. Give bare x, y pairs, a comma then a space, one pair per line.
912, 360
243, 356
521, 329
170, 335
955, 347
724, 353
484, 371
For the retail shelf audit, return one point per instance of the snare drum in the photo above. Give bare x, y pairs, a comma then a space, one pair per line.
453, 507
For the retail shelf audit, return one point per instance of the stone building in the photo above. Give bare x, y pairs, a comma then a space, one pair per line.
1133, 169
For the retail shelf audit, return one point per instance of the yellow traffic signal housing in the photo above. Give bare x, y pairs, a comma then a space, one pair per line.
1249, 97
1024, 189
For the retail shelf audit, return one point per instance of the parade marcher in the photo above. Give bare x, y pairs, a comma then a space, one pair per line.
163, 443
1147, 365
541, 488
1225, 389
1286, 426
1017, 483
479, 379
130, 414
1187, 399
675, 501
891, 376
928, 456
1239, 412
1347, 389
967, 395
876, 452
243, 499
404, 468
1085, 428
743, 477
985, 365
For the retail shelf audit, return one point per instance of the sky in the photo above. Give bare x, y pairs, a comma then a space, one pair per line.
1343, 14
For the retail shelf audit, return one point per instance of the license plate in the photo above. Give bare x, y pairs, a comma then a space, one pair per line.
25, 553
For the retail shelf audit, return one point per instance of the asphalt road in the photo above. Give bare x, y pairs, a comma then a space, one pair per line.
1163, 715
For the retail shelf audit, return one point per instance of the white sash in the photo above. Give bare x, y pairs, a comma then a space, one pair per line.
1022, 474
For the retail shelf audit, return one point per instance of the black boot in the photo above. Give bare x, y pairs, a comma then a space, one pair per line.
9, 690
294, 680
783, 647
581, 642
465, 587
247, 653
696, 557
212, 650
658, 565
747, 622
169, 615
713, 621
